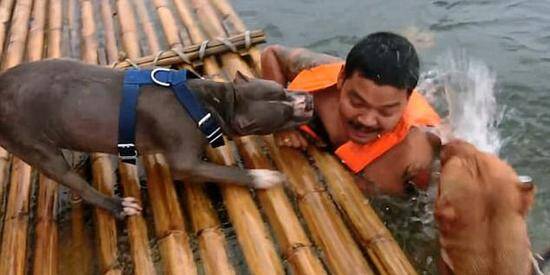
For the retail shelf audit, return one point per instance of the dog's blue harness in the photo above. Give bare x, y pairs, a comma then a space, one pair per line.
175, 79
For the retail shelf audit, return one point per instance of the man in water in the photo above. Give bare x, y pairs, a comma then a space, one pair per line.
366, 110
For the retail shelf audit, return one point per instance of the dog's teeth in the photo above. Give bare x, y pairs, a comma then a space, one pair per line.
263, 178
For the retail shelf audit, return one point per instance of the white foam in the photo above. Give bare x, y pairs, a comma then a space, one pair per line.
463, 88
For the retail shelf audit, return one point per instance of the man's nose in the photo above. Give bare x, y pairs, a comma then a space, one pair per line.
368, 119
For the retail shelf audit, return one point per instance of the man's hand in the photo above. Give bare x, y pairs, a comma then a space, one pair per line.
291, 138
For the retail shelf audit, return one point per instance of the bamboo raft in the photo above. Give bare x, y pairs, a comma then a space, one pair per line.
319, 223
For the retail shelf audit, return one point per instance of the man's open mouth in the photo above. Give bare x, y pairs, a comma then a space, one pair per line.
361, 132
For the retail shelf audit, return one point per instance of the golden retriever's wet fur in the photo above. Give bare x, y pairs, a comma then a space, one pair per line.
480, 209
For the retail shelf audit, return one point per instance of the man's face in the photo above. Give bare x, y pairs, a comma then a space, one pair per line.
367, 109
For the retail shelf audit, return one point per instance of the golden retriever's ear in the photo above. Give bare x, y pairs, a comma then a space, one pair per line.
527, 196
446, 217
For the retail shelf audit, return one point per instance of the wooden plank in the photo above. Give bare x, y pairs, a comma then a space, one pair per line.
16, 220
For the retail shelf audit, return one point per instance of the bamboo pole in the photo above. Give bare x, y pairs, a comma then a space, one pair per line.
252, 234
128, 29
55, 29
207, 227
234, 24
167, 58
14, 237
80, 259
147, 26
295, 245
15, 47
109, 30
168, 24
324, 222
16, 220
5, 15
103, 174
35, 44
45, 260
5, 161
137, 227
371, 232
80, 243
72, 32
169, 223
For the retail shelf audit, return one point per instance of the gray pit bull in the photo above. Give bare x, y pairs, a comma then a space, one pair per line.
56, 104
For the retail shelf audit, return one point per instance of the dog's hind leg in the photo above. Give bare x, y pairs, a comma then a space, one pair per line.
205, 171
49, 161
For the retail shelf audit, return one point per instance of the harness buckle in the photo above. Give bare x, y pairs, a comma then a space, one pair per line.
127, 152
154, 78
211, 130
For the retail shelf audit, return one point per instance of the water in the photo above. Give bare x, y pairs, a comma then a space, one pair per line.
463, 91
503, 44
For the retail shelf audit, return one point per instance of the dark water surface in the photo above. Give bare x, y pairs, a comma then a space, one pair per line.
511, 37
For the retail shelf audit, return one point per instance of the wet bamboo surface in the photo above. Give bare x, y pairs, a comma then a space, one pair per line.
307, 227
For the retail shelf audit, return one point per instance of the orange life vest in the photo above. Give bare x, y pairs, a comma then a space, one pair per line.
357, 156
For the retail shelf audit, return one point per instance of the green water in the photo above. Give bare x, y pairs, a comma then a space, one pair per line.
511, 37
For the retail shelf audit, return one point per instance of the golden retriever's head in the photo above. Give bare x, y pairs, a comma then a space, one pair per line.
476, 187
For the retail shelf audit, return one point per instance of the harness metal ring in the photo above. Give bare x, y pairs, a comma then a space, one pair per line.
153, 73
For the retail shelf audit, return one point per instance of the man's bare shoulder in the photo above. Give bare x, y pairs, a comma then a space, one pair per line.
295, 60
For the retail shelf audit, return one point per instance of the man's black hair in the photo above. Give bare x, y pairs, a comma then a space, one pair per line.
385, 58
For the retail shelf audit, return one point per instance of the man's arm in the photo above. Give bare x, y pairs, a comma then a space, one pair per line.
283, 64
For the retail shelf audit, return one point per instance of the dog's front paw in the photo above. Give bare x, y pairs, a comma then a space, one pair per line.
263, 178
129, 206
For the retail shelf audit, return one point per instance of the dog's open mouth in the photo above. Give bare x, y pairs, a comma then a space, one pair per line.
302, 104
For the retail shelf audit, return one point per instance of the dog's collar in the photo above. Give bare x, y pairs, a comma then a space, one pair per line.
176, 80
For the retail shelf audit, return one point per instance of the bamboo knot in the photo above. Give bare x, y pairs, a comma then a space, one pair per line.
202, 49
184, 57
112, 268
228, 43
17, 215
123, 57
212, 229
170, 232
377, 238
301, 197
294, 249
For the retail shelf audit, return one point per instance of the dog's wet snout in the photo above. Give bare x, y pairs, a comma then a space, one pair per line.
302, 104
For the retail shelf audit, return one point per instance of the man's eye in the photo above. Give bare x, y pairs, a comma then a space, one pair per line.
355, 101
386, 113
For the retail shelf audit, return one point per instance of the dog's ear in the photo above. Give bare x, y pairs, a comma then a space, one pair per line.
527, 196
240, 78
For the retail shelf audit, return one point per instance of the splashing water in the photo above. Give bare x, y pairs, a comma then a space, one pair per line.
469, 105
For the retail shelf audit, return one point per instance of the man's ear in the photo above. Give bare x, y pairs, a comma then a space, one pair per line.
240, 78
341, 78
